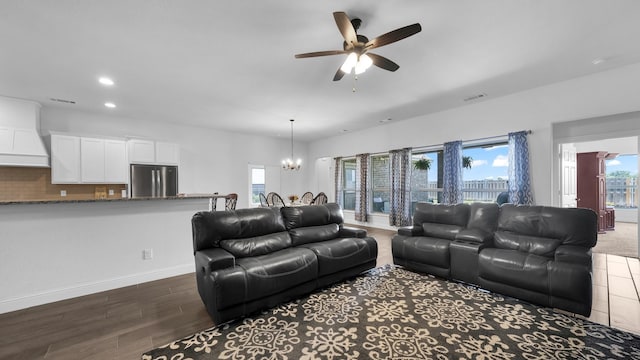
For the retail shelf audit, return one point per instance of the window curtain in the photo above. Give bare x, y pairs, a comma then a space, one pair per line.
400, 196
452, 184
362, 203
338, 180
519, 178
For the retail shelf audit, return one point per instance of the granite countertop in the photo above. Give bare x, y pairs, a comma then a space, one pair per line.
61, 201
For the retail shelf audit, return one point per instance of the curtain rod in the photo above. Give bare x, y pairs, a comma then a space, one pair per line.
435, 145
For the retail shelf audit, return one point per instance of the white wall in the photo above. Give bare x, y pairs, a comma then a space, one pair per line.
210, 160
608, 92
56, 251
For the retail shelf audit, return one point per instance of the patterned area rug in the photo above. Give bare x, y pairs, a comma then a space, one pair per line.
392, 313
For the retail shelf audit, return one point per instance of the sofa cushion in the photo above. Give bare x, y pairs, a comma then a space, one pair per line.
344, 253
483, 216
421, 249
572, 226
257, 245
209, 227
514, 268
310, 234
312, 215
526, 243
444, 231
272, 273
457, 214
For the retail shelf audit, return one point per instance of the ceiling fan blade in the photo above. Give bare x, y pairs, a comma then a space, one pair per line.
320, 53
382, 62
345, 27
339, 74
393, 36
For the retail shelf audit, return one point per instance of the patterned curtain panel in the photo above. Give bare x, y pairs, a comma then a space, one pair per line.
519, 178
362, 203
400, 196
452, 184
338, 180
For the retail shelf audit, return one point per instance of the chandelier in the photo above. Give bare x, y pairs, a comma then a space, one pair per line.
288, 164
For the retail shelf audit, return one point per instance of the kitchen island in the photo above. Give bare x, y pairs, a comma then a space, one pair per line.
54, 250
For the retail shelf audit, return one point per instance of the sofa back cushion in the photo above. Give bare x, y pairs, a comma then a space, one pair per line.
210, 227
483, 216
305, 235
441, 221
530, 244
257, 245
541, 229
312, 215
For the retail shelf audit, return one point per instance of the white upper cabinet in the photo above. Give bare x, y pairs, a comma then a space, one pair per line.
65, 159
153, 152
116, 169
87, 160
92, 160
167, 153
141, 151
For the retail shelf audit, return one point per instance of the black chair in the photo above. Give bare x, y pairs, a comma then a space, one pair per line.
306, 198
320, 199
263, 200
274, 199
230, 201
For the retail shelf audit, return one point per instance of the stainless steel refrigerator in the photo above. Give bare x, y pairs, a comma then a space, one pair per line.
153, 181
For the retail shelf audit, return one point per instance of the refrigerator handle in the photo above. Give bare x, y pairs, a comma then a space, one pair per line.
153, 183
160, 193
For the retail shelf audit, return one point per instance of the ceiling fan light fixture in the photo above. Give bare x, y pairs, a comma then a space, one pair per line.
350, 63
364, 62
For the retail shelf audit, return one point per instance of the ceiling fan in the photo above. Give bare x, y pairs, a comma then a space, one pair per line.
358, 46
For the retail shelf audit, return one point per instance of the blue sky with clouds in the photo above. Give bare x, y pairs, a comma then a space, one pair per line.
493, 162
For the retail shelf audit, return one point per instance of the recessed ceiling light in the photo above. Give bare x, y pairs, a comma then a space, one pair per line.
105, 81
598, 61
110, 105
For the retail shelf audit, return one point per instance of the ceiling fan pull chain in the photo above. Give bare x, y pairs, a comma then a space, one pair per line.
355, 80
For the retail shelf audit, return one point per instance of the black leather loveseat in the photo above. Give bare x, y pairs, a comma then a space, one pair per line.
536, 253
252, 259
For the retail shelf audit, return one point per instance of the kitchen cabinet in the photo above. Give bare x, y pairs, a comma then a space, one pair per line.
88, 160
103, 161
141, 151
116, 169
153, 152
167, 153
65, 159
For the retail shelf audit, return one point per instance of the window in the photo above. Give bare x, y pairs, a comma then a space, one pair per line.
380, 184
426, 184
622, 182
349, 184
257, 176
485, 172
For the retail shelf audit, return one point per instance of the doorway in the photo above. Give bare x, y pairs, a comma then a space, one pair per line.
619, 220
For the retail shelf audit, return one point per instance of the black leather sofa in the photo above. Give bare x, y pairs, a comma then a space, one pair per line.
539, 254
252, 259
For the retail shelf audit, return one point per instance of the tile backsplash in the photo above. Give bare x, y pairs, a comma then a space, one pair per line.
26, 183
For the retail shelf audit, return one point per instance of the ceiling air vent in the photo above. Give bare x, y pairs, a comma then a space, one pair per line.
63, 101
476, 97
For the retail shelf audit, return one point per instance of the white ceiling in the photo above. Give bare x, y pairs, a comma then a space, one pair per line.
230, 64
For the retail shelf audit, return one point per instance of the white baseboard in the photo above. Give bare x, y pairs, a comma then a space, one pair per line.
46, 297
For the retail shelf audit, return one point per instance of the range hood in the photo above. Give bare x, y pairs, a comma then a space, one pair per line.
20, 141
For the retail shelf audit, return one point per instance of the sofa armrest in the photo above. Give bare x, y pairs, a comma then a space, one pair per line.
212, 259
475, 235
346, 231
410, 230
573, 254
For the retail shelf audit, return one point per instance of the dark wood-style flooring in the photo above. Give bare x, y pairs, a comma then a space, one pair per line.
123, 323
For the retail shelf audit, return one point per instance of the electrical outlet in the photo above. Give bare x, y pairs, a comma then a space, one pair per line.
147, 254
63, 192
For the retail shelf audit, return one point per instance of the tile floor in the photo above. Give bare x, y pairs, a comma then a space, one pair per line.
616, 296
